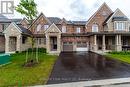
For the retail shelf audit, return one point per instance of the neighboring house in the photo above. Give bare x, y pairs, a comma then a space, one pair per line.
104, 31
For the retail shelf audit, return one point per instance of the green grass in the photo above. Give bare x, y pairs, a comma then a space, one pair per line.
15, 74
122, 56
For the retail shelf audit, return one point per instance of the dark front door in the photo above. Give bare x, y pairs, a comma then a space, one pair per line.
53, 43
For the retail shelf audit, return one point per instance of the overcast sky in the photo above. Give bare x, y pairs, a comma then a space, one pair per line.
76, 9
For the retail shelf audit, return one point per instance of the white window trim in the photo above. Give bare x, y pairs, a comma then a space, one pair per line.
78, 30
121, 27
95, 28
64, 29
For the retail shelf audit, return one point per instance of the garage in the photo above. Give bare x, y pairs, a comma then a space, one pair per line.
67, 46
81, 46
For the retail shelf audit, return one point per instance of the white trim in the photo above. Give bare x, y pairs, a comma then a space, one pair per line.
97, 12
115, 13
13, 24
54, 26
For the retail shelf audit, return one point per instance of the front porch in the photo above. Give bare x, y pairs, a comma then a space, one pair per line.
106, 43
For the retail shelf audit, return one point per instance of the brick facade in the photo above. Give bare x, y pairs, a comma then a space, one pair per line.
98, 18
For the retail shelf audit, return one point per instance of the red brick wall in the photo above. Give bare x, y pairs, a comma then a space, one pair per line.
74, 39
98, 18
72, 28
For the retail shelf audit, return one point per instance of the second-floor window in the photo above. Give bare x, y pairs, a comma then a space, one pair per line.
5, 26
94, 28
120, 25
63, 29
46, 26
78, 30
39, 27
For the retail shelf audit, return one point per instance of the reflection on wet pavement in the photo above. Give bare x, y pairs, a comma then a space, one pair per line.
83, 66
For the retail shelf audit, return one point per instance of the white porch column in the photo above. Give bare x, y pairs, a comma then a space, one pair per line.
6, 44
103, 43
19, 42
95, 42
118, 43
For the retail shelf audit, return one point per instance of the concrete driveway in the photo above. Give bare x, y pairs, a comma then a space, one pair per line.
85, 66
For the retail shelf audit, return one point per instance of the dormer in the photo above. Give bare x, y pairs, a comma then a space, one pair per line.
63, 23
40, 24
118, 22
24, 22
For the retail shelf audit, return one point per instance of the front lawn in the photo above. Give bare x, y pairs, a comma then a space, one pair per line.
14, 74
122, 56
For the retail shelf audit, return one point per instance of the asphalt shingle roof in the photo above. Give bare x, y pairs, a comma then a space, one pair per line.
55, 20
24, 30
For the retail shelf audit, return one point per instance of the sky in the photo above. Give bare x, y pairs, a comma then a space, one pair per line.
75, 9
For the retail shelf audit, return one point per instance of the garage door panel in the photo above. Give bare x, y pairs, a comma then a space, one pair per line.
67, 47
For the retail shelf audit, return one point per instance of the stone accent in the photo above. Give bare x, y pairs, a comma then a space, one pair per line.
118, 43
53, 31
95, 43
103, 43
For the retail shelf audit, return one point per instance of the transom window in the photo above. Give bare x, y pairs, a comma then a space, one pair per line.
120, 25
78, 29
94, 28
63, 29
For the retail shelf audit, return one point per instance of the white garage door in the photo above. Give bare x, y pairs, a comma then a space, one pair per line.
82, 49
81, 46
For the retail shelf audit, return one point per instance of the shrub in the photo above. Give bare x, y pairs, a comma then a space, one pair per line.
43, 50
121, 52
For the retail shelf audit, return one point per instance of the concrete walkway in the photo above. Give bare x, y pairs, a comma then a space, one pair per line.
96, 83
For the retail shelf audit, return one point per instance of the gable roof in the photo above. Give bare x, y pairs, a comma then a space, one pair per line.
24, 30
53, 25
63, 20
20, 29
24, 19
41, 15
104, 4
13, 24
114, 14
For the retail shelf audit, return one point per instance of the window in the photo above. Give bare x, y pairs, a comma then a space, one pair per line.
63, 29
78, 29
39, 41
95, 28
46, 26
120, 25
5, 26
39, 27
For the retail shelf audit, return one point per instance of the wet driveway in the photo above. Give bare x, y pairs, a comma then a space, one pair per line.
82, 66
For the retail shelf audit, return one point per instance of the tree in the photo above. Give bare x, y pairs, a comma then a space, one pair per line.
29, 9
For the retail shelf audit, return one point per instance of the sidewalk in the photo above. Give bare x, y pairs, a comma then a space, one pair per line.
95, 83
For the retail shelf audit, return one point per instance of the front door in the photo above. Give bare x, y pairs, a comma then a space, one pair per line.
12, 44
53, 44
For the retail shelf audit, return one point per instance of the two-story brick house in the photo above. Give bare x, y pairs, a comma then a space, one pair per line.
104, 31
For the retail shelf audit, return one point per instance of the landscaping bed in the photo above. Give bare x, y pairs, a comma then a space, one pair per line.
15, 74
